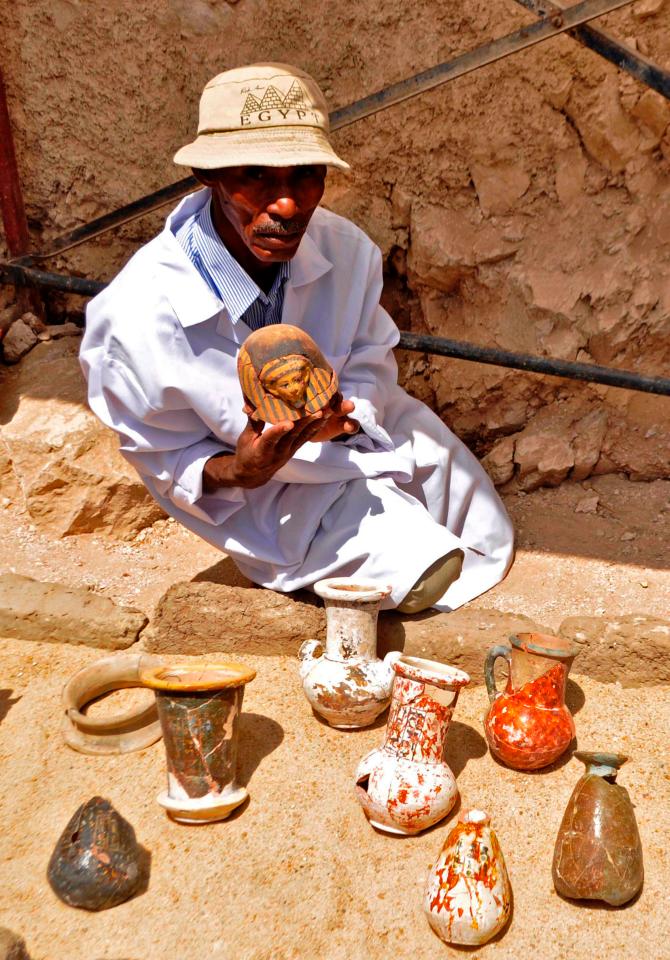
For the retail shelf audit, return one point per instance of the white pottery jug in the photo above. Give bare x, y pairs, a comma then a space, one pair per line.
405, 785
348, 685
468, 895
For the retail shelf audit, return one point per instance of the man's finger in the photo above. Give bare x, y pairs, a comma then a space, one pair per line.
272, 435
341, 407
306, 423
303, 430
253, 426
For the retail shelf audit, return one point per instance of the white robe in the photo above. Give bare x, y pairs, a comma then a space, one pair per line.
159, 354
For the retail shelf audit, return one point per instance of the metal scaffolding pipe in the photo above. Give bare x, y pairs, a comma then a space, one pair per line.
21, 275
603, 43
589, 372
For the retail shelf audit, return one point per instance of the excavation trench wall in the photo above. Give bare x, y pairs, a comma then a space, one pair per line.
524, 206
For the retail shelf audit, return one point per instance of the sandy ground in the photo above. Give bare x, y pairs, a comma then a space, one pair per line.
610, 561
298, 872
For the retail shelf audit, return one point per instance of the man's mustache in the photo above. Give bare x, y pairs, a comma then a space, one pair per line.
280, 228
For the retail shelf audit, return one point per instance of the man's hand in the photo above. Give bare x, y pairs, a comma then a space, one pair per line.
336, 421
259, 453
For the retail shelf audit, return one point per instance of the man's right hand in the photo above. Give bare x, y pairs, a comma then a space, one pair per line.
259, 453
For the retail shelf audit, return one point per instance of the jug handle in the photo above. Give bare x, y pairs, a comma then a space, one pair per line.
309, 655
500, 650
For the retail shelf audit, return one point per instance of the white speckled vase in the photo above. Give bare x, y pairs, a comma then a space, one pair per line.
405, 785
468, 895
348, 685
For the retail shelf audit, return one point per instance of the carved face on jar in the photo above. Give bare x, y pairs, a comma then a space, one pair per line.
287, 378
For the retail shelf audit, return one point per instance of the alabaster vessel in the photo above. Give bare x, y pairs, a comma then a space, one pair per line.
528, 726
284, 375
598, 854
97, 862
405, 785
134, 729
347, 684
468, 896
199, 707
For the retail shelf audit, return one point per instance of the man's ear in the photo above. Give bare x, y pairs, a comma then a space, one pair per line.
203, 176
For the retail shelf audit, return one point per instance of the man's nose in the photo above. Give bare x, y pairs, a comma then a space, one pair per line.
284, 207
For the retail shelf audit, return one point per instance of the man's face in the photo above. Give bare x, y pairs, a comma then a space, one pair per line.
267, 208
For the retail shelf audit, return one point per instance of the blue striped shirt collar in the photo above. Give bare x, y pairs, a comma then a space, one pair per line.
192, 298
220, 269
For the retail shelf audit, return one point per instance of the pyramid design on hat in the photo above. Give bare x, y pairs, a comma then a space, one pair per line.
251, 105
296, 96
272, 99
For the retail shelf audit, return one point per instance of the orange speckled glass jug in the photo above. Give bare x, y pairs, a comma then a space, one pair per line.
528, 726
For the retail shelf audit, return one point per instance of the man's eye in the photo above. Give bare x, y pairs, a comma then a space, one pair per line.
254, 173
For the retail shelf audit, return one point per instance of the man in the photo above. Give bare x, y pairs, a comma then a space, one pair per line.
378, 488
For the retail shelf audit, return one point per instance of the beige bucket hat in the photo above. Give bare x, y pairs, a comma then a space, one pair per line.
266, 114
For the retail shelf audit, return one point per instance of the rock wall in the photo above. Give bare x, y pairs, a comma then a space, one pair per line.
526, 205
57, 459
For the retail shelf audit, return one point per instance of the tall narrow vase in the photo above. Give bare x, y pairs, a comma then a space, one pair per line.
528, 725
199, 707
598, 854
468, 895
405, 785
347, 684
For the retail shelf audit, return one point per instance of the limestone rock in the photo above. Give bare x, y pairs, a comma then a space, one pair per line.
570, 170
550, 289
632, 452
588, 504
202, 618
499, 461
55, 613
587, 444
7, 316
543, 458
19, 339
56, 331
634, 650
446, 247
606, 131
461, 638
72, 477
647, 8
9, 487
653, 111
12, 946
499, 185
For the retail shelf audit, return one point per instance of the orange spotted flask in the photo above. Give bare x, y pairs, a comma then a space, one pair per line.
528, 726
406, 785
468, 896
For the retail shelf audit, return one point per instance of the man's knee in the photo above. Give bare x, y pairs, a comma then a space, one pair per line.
433, 583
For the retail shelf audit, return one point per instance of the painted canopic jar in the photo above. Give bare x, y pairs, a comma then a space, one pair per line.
284, 375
